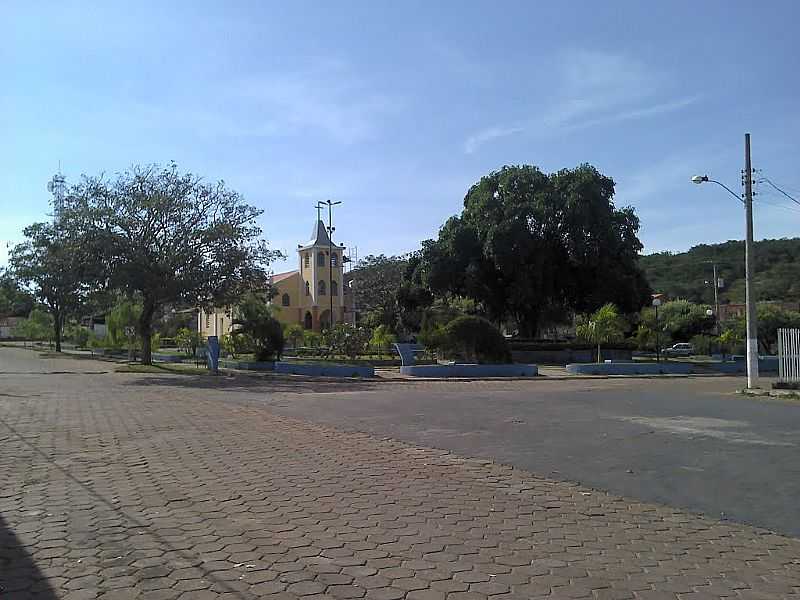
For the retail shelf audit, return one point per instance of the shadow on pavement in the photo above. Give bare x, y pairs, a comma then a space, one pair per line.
261, 382
19, 575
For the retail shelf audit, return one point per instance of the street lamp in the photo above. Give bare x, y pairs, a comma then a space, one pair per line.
752, 336
330, 204
656, 304
698, 179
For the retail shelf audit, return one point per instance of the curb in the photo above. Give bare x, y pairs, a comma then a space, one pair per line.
791, 395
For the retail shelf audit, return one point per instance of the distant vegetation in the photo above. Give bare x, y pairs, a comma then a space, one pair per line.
684, 275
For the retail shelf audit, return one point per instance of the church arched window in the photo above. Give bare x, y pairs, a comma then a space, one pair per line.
285, 300
320, 259
306, 260
308, 289
334, 259
334, 288
321, 287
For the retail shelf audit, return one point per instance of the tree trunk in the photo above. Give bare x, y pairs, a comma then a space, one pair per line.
146, 329
599, 355
57, 329
528, 324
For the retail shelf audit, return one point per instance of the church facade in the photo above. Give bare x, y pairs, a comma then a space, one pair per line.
314, 296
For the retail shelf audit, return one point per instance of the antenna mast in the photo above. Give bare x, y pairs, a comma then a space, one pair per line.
58, 187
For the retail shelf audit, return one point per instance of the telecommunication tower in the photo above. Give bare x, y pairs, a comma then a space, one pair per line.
58, 187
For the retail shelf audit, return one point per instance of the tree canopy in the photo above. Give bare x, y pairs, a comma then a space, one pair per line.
529, 245
375, 281
169, 237
60, 268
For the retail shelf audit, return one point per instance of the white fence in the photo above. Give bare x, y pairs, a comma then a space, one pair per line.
789, 355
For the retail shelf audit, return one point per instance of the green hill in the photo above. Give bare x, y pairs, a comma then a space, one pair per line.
689, 274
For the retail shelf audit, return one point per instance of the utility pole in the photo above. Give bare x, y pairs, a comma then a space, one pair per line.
716, 295
752, 326
331, 229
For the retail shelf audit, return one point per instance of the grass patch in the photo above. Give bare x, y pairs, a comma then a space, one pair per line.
180, 369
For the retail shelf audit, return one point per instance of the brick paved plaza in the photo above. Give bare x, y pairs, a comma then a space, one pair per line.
129, 486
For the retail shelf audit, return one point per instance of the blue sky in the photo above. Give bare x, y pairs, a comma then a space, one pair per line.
396, 108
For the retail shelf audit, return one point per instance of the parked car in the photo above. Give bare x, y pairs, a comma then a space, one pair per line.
680, 349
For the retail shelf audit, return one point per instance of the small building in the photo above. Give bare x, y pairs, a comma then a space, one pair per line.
96, 324
738, 310
315, 295
7, 326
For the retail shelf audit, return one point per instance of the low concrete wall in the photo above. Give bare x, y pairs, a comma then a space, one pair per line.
513, 370
765, 365
168, 358
247, 365
323, 370
310, 369
562, 357
631, 368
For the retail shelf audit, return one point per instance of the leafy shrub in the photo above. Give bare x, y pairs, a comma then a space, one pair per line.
188, 340
263, 330
346, 339
526, 345
311, 338
472, 338
705, 344
294, 333
382, 338
38, 326
95, 341
235, 344
124, 316
78, 335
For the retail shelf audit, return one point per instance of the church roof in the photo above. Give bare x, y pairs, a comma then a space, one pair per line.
281, 276
319, 237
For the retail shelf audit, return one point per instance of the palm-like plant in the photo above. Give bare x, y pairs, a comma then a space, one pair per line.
603, 326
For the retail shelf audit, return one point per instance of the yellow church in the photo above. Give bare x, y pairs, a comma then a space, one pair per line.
315, 295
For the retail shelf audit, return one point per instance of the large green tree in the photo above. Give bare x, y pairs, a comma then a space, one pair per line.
171, 238
680, 320
529, 245
59, 267
771, 317
375, 281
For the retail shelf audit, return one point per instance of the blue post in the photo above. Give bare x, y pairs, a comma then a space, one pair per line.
213, 353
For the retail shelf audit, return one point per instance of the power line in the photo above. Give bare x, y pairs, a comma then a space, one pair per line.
777, 205
789, 196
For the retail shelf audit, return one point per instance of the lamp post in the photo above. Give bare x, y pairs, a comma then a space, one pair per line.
752, 327
656, 304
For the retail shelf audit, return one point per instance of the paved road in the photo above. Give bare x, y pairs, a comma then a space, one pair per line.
690, 443
131, 486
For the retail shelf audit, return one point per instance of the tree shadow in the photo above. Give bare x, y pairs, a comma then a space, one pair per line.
266, 382
20, 577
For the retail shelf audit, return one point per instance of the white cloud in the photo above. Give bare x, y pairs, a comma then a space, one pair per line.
474, 141
592, 88
326, 97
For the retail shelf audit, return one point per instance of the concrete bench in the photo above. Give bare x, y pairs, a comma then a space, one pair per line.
408, 353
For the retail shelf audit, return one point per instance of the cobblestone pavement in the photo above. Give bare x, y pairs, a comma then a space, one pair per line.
113, 488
